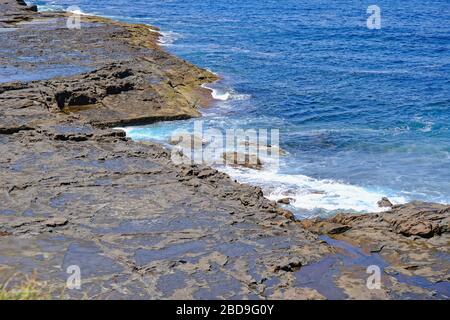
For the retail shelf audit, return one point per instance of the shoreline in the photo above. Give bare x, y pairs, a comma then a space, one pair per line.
208, 96
68, 175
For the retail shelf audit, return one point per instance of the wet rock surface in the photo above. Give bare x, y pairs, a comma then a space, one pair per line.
15, 11
410, 242
137, 226
74, 191
113, 74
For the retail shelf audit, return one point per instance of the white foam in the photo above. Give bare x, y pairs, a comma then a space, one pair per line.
427, 126
312, 194
207, 69
79, 12
309, 194
49, 8
216, 94
220, 96
240, 96
168, 38
225, 95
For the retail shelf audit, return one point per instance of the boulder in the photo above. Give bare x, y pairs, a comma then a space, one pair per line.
285, 201
385, 203
243, 160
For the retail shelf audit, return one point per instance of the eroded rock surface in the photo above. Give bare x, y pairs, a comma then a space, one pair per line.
107, 74
410, 240
138, 226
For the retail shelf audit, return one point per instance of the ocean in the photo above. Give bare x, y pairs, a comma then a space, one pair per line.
362, 113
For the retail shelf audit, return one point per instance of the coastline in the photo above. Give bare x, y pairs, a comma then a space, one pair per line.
71, 118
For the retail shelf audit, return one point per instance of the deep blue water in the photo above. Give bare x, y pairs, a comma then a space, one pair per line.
363, 113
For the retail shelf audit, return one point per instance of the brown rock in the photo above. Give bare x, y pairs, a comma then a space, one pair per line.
206, 173
416, 228
243, 160
56, 222
321, 226
336, 228
285, 213
384, 203
285, 201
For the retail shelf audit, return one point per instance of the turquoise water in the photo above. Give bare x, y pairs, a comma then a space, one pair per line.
363, 113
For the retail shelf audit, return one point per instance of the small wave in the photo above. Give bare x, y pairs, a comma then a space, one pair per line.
49, 8
209, 70
313, 195
388, 72
225, 95
220, 96
424, 125
168, 38
76, 10
330, 131
55, 8
427, 128
240, 96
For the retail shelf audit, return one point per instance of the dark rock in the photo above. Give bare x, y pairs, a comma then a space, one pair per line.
336, 228
285, 213
285, 201
289, 264
56, 222
243, 160
33, 8
409, 234
385, 203
206, 173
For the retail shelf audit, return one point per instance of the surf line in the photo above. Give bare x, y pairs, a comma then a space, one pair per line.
216, 95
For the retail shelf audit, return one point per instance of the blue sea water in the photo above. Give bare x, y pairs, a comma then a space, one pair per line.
363, 113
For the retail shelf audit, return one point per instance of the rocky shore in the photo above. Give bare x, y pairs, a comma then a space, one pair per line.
74, 191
